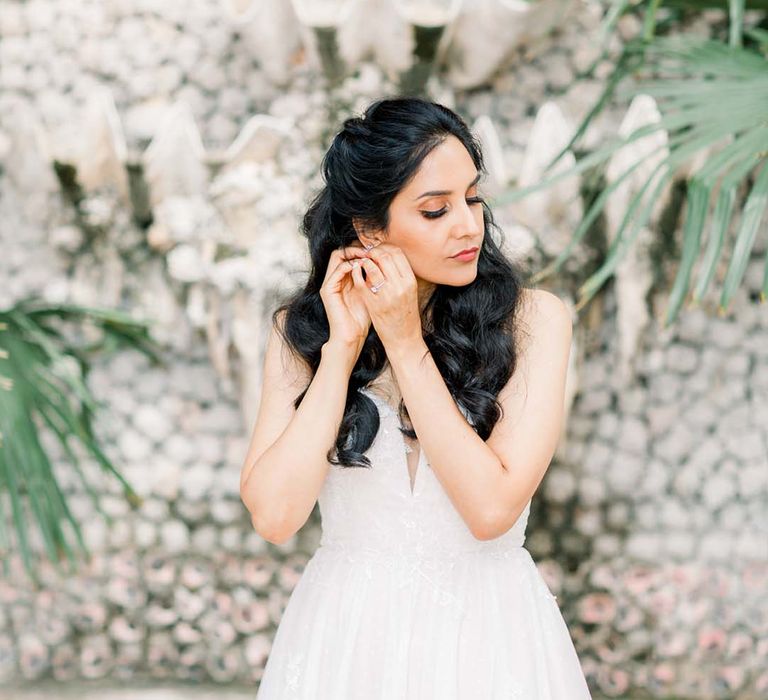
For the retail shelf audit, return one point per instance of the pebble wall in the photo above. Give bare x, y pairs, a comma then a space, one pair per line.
651, 525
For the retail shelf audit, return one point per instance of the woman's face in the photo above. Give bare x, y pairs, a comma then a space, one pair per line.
438, 214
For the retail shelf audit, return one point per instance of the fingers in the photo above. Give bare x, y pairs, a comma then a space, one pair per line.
374, 274
341, 269
340, 256
380, 262
354, 250
391, 260
357, 275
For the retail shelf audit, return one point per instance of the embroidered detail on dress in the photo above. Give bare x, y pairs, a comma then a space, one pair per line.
292, 673
516, 690
417, 561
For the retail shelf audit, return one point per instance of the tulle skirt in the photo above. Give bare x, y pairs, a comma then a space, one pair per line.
365, 626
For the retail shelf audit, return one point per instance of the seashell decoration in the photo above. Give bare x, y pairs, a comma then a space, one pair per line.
250, 616
359, 37
192, 604
162, 654
493, 154
64, 665
195, 574
126, 631
258, 141
174, 160
551, 209
270, 31
650, 538
634, 275
491, 30
160, 616
185, 634
102, 159
159, 573
95, 656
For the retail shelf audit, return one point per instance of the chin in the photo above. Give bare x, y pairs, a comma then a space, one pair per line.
459, 279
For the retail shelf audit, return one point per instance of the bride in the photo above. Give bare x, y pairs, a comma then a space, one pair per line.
414, 388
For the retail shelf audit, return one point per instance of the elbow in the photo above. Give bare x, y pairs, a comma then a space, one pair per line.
488, 525
486, 529
268, 526
271, 524
264, 523
492, 526
484, 534
277, 537
273, 531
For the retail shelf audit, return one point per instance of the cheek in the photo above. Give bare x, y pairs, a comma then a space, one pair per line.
420, 242
420, 256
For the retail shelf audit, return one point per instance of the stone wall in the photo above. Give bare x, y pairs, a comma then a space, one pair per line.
651, 525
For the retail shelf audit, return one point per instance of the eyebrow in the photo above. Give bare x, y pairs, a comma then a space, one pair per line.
436, 193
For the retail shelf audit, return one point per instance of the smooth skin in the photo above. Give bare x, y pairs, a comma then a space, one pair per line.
489, 482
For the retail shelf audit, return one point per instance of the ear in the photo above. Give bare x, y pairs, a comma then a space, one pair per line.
365, 234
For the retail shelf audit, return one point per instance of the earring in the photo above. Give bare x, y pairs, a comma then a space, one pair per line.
368, 246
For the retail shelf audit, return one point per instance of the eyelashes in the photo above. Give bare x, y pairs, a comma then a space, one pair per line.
440, 212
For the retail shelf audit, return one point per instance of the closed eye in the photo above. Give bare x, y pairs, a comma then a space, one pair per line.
440, 212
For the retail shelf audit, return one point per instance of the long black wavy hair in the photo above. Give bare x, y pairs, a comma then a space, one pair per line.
471, 332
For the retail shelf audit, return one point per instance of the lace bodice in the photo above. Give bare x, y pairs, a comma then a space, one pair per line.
374, 510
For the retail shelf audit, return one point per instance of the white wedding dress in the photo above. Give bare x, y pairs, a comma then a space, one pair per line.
401, 602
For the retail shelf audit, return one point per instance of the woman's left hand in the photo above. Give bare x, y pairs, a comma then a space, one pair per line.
394, 308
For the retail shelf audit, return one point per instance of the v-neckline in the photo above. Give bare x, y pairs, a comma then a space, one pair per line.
412, 488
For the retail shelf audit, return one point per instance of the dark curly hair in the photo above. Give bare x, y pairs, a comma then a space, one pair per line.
471, 332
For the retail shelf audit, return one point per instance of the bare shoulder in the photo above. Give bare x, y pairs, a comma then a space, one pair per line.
544, 315
542, 306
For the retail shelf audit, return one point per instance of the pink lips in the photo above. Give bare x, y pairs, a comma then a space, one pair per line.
467, 254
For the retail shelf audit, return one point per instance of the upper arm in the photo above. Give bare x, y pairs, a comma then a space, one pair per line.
284, 377
533, 404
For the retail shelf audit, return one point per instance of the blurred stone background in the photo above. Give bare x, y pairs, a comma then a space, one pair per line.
196, 130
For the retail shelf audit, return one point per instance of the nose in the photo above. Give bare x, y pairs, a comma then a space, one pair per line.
467, 222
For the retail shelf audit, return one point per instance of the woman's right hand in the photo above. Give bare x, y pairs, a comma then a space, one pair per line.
348, 317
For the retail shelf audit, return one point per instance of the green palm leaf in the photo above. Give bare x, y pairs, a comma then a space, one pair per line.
42, 384
741, 157
708, 93
753, 212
